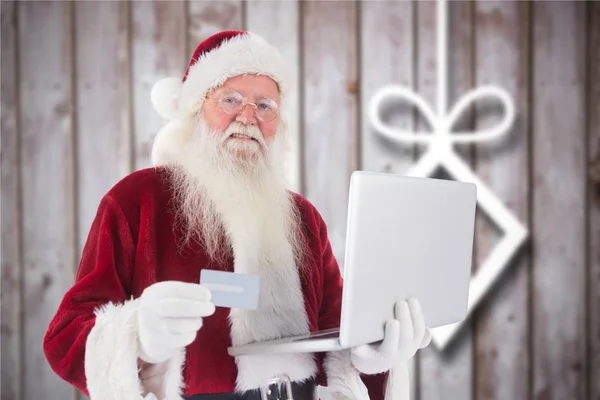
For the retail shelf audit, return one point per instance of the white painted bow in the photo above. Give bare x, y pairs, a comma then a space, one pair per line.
441, 140
440, 153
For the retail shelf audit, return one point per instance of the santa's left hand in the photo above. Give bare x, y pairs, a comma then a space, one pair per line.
404, 335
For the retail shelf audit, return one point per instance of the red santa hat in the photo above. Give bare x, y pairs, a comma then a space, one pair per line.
221, 56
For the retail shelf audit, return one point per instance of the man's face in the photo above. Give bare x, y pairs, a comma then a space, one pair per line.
245, 129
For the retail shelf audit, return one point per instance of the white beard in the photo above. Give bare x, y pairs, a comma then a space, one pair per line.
230, 202
221, 195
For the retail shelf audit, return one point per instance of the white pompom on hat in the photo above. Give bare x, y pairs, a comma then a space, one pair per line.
164, 96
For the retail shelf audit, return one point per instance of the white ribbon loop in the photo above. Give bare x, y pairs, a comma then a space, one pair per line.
413, 99
441, 124
494, 132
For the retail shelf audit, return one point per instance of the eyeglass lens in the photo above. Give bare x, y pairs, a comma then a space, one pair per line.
233, 102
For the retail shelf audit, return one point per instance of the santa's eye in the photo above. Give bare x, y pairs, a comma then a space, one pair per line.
264, 106
231, 100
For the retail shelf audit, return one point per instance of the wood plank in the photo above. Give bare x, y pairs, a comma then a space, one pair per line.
49, 254
158, 51
11, 218
593, 83
330, 111
102, 104
386, 49
278, 23
209, 17
447, 374
559, 343
103, 112
501, 321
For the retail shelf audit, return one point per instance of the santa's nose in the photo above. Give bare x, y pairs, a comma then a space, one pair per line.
246, 115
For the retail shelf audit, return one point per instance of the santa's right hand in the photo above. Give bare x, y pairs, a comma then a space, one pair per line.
169, 316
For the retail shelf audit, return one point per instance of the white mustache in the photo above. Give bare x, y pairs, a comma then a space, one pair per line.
248, 130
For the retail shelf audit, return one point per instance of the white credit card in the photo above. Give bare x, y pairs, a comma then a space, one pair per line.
230, 289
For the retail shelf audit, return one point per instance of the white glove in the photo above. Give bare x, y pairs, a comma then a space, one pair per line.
169, 316
403, 337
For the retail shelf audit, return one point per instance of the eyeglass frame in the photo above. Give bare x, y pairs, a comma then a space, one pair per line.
244, 103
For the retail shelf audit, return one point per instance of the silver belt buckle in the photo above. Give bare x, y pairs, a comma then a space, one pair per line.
264, 393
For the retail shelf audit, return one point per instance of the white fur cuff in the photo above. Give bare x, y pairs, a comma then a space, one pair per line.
398, 384
111, 360
343, 380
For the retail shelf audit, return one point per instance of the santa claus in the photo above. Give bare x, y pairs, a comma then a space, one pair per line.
138, 325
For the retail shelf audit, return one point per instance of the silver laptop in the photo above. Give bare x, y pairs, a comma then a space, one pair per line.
406, 237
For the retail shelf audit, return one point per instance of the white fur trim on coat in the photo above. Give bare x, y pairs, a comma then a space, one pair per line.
281, 311
344, 381
398, 385
112, 368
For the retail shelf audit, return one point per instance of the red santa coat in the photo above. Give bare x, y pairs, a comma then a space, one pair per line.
92, 340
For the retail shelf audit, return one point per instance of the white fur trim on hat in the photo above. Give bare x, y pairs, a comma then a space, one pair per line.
243, 54
111, 360
246, 53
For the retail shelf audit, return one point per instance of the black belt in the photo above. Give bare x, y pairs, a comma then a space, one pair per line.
277, 391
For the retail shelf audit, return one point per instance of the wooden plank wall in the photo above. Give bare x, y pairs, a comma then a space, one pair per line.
449, 374
330, 110
593, 231
501, 346
46, 111
12, 274
76, 117
558, 171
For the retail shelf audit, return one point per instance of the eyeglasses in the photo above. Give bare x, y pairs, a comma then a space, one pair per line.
232, 102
